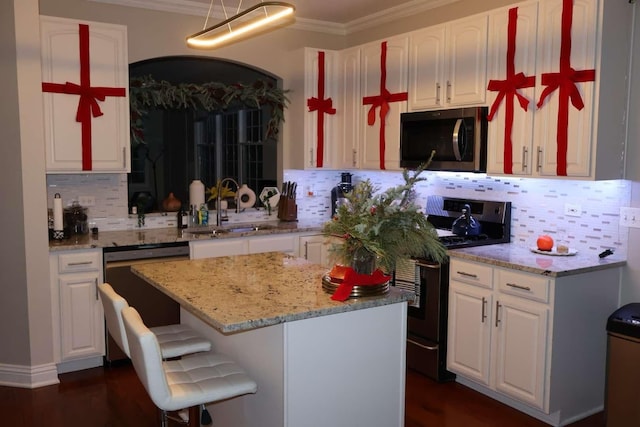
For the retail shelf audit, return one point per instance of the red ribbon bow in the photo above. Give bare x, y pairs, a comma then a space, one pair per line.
509, 88
565, 80
88, 106
350, 279
382, 101
323, 106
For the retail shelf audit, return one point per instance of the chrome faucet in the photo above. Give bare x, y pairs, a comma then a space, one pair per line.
219, 199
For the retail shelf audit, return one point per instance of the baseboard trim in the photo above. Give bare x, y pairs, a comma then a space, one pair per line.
28, 376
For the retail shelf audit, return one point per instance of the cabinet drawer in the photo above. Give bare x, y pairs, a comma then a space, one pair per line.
469, 272
79, 261
523, 285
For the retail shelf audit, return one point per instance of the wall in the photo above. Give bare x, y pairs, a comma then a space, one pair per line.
537, 204
26, 356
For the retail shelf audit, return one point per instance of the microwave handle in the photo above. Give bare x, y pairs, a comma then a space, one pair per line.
457, 138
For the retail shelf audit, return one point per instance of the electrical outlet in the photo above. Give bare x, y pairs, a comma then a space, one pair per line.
86, 201
630, 217
572, 210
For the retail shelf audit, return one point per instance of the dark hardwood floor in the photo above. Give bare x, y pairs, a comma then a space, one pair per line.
113, 397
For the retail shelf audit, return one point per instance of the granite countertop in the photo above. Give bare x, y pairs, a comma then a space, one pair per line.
517, 257
141, 236
244, 292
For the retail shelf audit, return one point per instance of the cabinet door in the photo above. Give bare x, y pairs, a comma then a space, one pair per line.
108, 67
316, 249
582, 57
469, 339
349, 109
284, 243
312, 118
426, 68
521, 345
523, 43
467, 61
82, 323
396, 83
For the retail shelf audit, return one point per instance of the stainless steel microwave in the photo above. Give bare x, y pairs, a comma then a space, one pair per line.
458, 136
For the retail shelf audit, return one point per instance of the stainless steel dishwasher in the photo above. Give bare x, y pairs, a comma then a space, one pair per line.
155, 308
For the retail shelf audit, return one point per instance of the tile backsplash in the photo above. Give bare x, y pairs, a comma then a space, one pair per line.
538, 205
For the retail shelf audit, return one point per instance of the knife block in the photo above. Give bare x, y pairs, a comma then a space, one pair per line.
287, 209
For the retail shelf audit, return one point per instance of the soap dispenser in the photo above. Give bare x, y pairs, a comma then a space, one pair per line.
339, 192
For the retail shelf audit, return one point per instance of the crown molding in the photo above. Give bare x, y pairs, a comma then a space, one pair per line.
195, 8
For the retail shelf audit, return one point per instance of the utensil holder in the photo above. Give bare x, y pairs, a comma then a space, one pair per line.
287, 209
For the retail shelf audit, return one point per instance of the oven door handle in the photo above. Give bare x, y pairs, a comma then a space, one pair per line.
426, 347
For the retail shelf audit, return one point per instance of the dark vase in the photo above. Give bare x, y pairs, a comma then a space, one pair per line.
363, 261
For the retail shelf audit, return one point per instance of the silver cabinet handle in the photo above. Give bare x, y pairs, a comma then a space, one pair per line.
516, 286
484, 305
448, 91
497, 312
96, 282
124, 157
539, 160
462, 273
525, 156
438, 93
426, 347
311, 157
306, 250
354, 154
80, 263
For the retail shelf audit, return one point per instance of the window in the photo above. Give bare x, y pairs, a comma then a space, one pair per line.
186, 144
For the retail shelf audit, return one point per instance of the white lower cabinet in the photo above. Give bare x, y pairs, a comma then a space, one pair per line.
78, 323
286, 242
533, 342
316, 248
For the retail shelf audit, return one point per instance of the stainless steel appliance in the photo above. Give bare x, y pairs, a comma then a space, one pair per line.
155, 308
427, 316
458, 137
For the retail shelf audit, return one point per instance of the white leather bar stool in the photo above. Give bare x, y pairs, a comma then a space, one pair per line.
175, 340
185, 383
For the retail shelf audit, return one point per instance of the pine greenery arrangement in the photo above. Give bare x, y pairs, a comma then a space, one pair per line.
387, 224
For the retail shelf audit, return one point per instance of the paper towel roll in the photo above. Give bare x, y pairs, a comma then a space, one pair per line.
246, 197
196, 193
58, 224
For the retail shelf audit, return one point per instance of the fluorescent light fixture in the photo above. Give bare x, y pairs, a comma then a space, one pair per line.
241, 24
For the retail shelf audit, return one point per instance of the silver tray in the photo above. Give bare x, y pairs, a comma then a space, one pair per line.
358, 291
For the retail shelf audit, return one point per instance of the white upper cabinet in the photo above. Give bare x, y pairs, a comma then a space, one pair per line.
581, 71
349, 108
512, 30
447, 65
385, 92
321, 79
89, 132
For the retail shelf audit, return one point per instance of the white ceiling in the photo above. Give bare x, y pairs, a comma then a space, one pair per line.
334, 16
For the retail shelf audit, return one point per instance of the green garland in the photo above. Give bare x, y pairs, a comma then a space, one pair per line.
146, 92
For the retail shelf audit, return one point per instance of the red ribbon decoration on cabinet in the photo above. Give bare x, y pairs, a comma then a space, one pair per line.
382, 101
565, 80
508, 88
323, 106
89, 96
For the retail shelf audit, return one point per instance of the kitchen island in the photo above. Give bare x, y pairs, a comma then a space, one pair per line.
317, 362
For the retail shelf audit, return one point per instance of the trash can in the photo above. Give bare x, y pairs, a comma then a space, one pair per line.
622, 399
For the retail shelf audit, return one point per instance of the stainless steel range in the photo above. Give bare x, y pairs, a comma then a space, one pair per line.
427, 317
